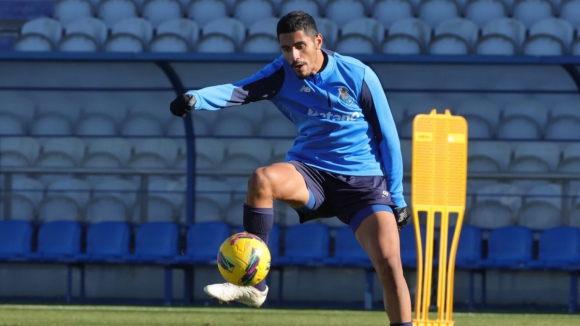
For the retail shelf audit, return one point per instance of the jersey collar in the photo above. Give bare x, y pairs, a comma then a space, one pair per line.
330, 66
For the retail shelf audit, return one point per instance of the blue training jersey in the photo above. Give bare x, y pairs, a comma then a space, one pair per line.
344, 122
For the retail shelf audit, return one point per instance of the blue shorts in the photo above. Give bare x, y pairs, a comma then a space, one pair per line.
350, 198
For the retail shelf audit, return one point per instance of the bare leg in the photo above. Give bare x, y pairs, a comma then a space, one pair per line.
279, 181
379, 236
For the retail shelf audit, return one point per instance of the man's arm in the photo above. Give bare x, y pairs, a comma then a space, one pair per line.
376, 109
265, 84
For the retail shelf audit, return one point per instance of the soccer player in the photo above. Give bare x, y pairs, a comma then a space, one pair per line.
346, 162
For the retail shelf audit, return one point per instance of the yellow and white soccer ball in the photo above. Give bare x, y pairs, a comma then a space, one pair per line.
244, 259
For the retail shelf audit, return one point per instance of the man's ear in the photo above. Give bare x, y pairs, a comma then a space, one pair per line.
318, 40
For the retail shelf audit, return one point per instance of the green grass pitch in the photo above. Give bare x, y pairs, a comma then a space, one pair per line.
40, 315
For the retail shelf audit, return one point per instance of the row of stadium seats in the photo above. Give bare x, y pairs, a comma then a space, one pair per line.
68, 152
240, 155
100, 199
46, 122
244, 155
535, 204
501, 36
339, 11
230, 156
298, 245
526, 118
158, 243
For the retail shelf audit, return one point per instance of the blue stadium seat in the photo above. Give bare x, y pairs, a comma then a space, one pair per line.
205, 11
311, 7
203, 242
15, 239
155, 242
454, 30
408, 35
343, 11
488, 156
186, 28
469, 253
496, 205
390, 11
570, 11
481, 125
25, 197
18, 151
530, 12
436, 11
261, 43
355, 43
469, 250
542, 207
216, 43
369, 27
67, 11
160, 11
482, 12
348, 251
509, 247
107, 242
58, 241
93, 27
113, 11
559, 248
409, 245
107, 153
306, 245
249, 11
535, 157
554, 31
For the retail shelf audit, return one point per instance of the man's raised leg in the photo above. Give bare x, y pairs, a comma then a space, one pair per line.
379, 236
280, 181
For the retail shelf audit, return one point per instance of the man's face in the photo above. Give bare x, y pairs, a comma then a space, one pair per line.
301, 51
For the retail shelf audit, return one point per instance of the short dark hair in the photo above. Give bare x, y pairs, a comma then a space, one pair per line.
297, 21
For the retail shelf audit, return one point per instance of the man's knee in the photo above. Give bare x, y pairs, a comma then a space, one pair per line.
259, 179
263, 180
389, 265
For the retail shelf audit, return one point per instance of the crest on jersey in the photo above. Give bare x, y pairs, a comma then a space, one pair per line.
344, 97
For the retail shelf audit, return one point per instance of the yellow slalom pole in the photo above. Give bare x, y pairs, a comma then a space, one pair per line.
441, 277
451, 268
418, 306
428, 277
438, 187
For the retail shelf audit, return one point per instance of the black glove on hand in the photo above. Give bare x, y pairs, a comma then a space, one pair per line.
182, 105
402, 216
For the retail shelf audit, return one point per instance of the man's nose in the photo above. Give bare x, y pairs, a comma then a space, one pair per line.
295, 55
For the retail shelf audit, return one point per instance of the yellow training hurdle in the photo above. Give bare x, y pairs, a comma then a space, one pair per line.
439, 181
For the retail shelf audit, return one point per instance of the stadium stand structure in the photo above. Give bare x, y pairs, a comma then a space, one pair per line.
485, 27
91, 160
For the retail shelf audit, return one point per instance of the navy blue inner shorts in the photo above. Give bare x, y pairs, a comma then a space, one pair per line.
350, 198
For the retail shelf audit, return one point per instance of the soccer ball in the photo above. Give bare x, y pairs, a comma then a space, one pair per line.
244, 259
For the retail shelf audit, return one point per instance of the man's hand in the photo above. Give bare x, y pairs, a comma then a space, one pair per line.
402, 215
182, 105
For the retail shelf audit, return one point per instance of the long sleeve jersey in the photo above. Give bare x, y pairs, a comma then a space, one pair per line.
343, 118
